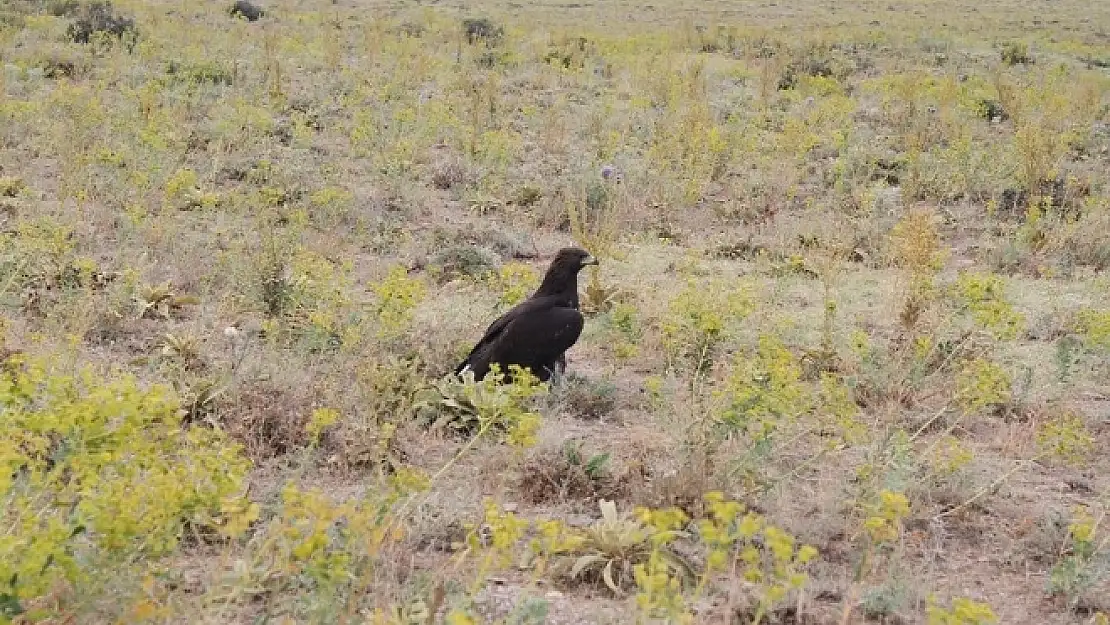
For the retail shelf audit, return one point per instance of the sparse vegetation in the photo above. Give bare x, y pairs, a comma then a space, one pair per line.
845, 355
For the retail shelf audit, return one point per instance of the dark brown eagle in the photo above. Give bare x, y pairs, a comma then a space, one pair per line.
537, 332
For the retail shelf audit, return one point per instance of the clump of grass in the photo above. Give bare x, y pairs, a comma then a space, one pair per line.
915, 246
58, 65
11, 186
568, 474
595, 226
587, 398
161, 301
465, 261
309, 300
449, 173
398, 294
814, 63
879, 540
624, 330
984, 297
183, 192
11, 190
268, 419
1094, 326
62, 8
199, 73
762, 390
507, 243
307, 544
770, 558
516, 281
1085, 242
386, 393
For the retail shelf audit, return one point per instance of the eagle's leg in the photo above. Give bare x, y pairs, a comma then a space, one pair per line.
558, 368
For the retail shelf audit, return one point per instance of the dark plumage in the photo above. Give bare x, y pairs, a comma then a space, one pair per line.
537, 332
248, 10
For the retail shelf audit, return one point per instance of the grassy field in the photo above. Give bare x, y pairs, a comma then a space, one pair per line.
846, 357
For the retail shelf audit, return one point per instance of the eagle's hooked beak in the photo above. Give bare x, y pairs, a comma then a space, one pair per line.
589, 260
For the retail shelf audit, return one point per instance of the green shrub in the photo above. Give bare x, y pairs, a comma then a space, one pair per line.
1016, 53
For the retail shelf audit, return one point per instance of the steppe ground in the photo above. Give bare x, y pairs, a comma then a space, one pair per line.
852, 277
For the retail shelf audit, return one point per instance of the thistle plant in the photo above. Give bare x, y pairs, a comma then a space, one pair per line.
616, 547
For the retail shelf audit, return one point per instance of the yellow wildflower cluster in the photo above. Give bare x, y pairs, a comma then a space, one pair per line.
981, 383
964, 611
1066, 437
763, 554
515, 281
884, 524
95, 472
1095, 327
697, 319
983, 295
763, 390
398, 296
